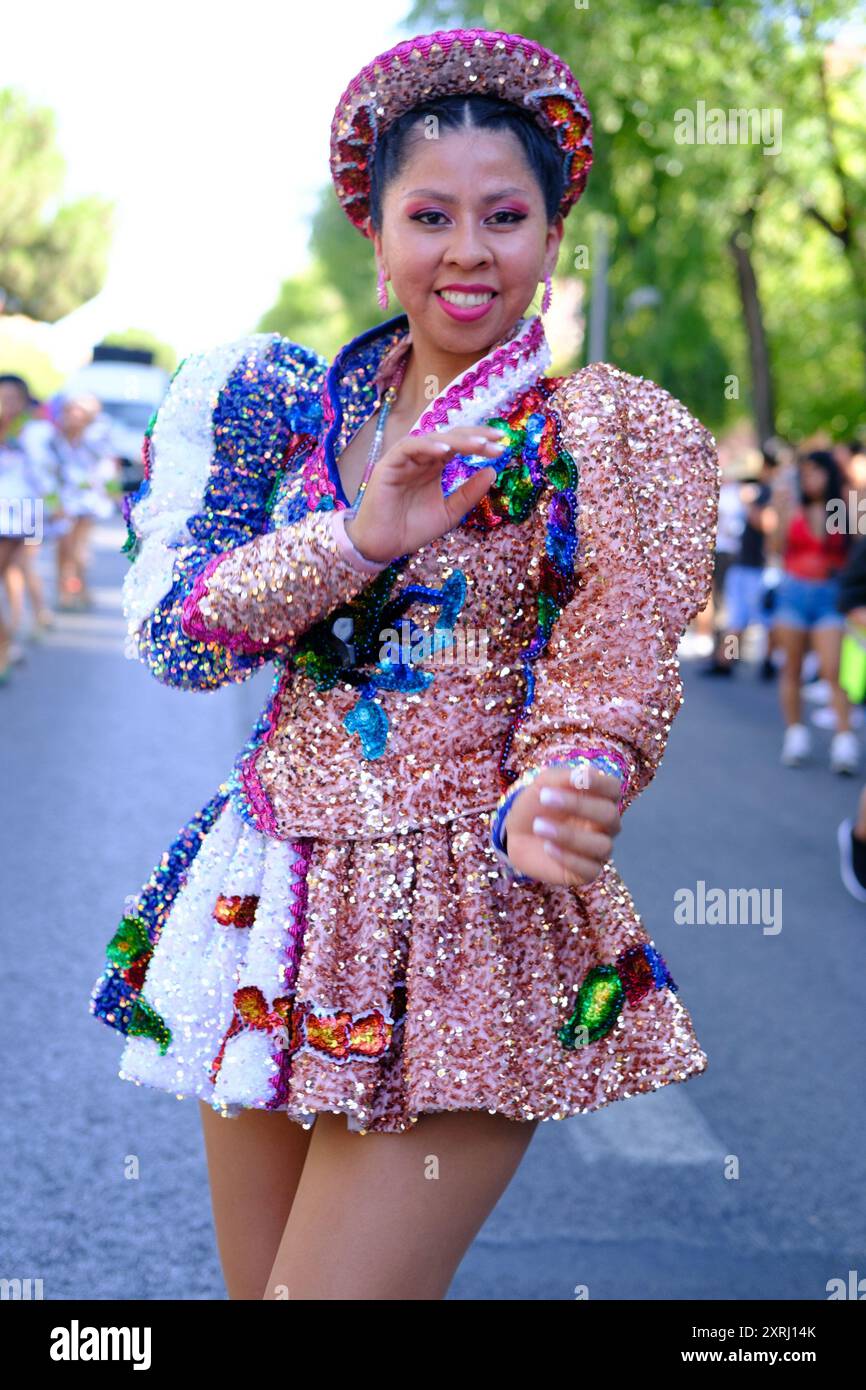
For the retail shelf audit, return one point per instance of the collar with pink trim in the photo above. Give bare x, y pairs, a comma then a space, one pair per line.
486, 389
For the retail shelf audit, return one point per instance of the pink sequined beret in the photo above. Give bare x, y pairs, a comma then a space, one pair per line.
457, 61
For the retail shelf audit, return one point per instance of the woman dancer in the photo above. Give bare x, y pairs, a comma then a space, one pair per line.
397, 922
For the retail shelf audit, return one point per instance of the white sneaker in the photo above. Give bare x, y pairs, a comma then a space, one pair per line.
816, 692
811, 668
844, 752
825, 717
797, 745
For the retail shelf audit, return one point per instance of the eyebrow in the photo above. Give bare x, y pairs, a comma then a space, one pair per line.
450, 198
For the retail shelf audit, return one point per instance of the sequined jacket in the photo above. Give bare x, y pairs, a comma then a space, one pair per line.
544, 626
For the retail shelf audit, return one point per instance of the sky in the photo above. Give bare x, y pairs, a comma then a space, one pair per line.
208, 126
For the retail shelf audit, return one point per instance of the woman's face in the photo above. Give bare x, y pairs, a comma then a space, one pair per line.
813, 480
466, 210
77, 413
12, 401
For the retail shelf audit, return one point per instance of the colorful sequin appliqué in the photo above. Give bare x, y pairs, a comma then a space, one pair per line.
293, 1025
344, 647
117, 995
605, 989
534, 432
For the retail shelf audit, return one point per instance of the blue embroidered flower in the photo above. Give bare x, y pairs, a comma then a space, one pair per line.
368, 718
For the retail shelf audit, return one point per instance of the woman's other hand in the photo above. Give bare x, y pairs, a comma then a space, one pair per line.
403, 506
582, 821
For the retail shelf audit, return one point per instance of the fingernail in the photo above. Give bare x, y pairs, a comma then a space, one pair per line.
540, 826
479, 441
550, 796
553, 850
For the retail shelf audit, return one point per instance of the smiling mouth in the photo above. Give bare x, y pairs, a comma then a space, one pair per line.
466, 300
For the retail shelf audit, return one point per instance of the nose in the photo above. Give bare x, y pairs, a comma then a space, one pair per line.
467, 244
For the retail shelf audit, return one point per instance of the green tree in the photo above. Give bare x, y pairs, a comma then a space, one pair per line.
335, 297
757, 261
52, 257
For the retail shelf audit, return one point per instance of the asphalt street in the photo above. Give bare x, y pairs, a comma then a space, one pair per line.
746, 1182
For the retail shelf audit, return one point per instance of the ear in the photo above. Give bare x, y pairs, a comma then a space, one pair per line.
555, 233
376, 238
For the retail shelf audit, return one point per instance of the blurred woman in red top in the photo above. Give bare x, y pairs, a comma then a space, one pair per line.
807, 606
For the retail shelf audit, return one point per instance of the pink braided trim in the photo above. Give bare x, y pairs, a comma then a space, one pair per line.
314, 471
297, 930
504, 359
263, 812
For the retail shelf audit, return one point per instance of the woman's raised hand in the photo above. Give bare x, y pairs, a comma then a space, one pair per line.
403, 506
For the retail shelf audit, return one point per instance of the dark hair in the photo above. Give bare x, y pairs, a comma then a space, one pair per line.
482, 112
832, 475
11, 379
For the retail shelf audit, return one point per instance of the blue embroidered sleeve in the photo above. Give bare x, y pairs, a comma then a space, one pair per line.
215, 452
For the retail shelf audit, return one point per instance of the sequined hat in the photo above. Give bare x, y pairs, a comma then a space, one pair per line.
456, 61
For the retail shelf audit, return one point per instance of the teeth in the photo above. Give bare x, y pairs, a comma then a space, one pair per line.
466, 300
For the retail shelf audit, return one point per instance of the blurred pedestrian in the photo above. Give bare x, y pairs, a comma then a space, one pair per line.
813, 554
743, 588
22, 486
731, 519
80, 443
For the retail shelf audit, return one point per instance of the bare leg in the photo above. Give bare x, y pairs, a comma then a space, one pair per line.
81, 530
254, 1166
14, 579
390, 1216
10, 547
827, 642
33, 583
792, 641
66, 585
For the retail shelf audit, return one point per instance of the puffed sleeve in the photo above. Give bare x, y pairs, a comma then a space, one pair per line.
629, 545
212, 593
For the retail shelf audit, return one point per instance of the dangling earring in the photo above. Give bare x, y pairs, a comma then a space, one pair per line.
548, 291
382, 289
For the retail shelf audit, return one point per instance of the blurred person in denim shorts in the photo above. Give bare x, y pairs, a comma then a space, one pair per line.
813, 555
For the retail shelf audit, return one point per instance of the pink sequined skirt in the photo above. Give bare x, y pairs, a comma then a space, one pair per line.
391, 977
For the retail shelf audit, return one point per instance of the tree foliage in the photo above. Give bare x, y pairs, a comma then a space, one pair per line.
737, 276
53, 255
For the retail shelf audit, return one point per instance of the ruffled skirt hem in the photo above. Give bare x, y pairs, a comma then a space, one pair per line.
385, 979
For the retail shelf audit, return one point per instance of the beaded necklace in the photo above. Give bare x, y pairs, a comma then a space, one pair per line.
387, 402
